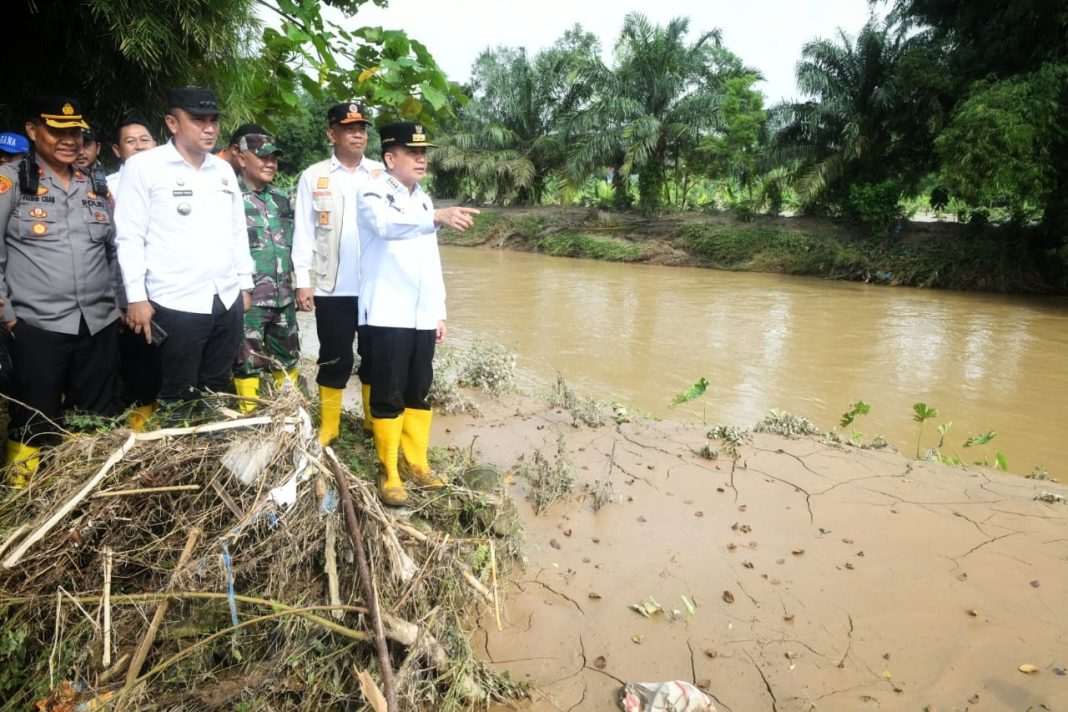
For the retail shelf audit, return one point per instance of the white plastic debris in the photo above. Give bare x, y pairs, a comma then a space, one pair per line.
673, 696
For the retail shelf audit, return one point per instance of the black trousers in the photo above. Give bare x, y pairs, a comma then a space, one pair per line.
56, 372
335, 325
198, 354
139, 368
401, 369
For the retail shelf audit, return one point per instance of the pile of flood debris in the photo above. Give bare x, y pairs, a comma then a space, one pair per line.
218, 566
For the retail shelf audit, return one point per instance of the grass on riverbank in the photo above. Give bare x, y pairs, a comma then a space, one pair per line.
939, 255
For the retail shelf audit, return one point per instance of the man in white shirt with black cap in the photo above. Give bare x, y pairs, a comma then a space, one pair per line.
183, 249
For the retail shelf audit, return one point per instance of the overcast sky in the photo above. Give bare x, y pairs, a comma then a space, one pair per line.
766, 34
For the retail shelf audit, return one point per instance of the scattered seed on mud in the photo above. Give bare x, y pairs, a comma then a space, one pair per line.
1035, 584
728, 597
789, 617
747, 564
849, 566
704, 684
596, 540
973, 612
780, 561
600, 663
637, 639
567, 532
797, 552
847, 541
594, 596
1028, 669
712, 653
554, 543
642, 519
731, 546
698, 514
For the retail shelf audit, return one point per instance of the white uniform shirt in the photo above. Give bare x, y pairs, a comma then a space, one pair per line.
348, 270
399, 259
113, 182
181, 231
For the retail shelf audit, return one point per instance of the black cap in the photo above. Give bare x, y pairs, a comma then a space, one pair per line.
60, 112
351, 112
88, 136
245, 130
404, 133
195, 100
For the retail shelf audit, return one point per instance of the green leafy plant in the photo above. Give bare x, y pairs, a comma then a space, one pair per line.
849, 419
921, 414
1000, 461
691, 393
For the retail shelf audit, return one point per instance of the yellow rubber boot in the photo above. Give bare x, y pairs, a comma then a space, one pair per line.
22, 460
247, 388
415, 444
280, 377
368, 428
387, 446
329, 414
139, 416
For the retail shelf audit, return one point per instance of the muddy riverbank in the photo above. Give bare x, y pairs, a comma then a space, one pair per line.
822, 577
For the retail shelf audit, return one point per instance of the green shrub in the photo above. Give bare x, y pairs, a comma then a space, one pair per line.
591, 246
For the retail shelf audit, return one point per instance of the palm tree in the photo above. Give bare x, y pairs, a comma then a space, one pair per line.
860, 124
652, 109
509, 137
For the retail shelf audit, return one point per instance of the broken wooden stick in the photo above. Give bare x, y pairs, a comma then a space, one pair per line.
105, 661
366, 581
146, 490
161, 610
16, 555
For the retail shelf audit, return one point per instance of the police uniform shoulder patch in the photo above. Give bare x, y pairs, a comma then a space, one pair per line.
5, 184
375, 172
41, 190
393, 183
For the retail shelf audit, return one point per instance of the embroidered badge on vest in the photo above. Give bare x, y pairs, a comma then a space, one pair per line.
322, 183
39, 229
5, 184
38, 213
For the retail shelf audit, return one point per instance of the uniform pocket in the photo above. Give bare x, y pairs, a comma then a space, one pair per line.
98, 222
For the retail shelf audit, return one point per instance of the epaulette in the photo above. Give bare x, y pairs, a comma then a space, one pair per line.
393, 182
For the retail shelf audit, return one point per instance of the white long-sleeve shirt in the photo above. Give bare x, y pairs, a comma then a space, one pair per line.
181, 232
400, 264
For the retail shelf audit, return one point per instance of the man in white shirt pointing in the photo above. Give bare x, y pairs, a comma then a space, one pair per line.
183, 250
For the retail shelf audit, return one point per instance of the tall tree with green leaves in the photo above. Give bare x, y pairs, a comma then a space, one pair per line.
117, 55
1005, 139
509, 138
851, 144
650, 110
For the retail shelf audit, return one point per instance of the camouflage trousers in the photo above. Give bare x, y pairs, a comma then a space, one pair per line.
271, 341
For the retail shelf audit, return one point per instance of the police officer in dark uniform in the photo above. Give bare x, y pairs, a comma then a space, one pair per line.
57, 273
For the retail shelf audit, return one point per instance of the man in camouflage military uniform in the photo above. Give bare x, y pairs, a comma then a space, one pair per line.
271, 341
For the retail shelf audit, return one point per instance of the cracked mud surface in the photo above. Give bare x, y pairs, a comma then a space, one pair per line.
859, 579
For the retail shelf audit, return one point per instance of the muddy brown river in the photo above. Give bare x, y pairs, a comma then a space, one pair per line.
640, 334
